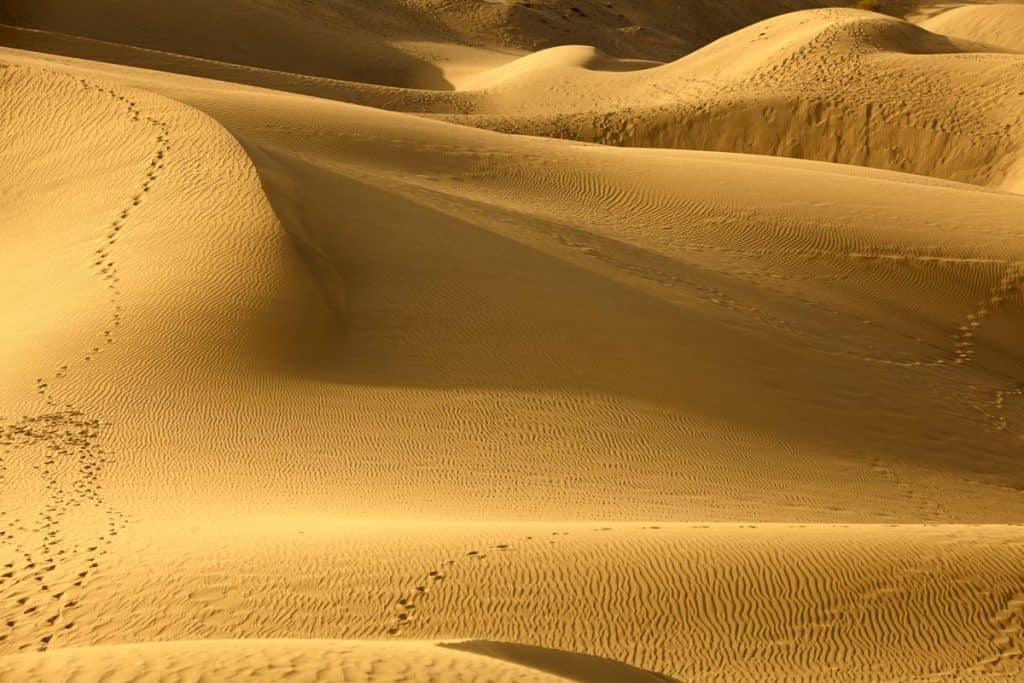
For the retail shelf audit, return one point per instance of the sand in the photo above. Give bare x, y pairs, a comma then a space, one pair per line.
334, 345
996, 25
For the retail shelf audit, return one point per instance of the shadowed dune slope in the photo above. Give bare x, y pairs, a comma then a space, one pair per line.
385, 41
421, 44
269, 660
639, 29
574, 666
399, 307
321, 660
341, 40
370, 94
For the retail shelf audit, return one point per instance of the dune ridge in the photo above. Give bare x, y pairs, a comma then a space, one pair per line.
399, 36
636, 257
998, 25
800, 85
256, 660
324, 660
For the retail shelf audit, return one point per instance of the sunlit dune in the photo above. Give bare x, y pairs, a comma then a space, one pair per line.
514, 341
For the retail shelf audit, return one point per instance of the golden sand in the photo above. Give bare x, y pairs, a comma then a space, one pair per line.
334, 347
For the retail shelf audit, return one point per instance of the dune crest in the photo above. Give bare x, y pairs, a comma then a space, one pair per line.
267, 660
556, 58
802, 85
998, 25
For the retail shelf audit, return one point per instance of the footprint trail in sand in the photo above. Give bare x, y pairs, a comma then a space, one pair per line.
42, 587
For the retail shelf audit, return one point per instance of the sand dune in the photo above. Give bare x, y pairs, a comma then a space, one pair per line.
391, 41
707, 602
300, 660
323, 660
803, 85
340, 324
999, 25
338, 378
340, 40
562, 57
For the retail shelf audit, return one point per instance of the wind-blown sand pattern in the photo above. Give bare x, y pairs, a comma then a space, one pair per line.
335, 348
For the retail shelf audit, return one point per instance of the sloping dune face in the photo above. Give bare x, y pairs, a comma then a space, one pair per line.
998, 25
292, 386
343, 40
838, 85
350, 39
833, 85
269, 661
641, 29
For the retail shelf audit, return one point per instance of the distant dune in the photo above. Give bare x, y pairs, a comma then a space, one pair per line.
310, 367
805, 85
1001, 26
368, 39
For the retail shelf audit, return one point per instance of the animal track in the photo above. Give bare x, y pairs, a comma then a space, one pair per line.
402, 612
49, 566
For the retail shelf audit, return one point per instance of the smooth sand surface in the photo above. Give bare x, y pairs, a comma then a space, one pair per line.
999, 25
313, 367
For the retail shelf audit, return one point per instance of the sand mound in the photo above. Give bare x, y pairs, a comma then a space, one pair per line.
339, 40
829, 602
293, 384
1001, 26
386, 97
651, 242
272, 660
384, 41
802, 85
320, 660
539, 64
659, 30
